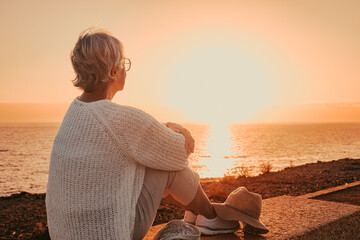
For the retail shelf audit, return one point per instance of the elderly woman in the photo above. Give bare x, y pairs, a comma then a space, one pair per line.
111, 164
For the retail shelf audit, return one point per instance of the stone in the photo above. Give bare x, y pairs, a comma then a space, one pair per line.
290, 217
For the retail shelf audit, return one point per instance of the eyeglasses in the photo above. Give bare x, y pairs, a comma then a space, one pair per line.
126, 63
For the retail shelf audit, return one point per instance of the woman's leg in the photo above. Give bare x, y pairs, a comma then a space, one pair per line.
155, 183
183, 186
199, 205
186, 183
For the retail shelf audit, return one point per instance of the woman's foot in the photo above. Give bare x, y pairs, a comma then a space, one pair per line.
190, 217
215, 225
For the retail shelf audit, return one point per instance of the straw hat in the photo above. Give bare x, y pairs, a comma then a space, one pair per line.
178, 230
245, 206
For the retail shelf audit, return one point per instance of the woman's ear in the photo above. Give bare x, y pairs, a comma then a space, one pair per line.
114, 72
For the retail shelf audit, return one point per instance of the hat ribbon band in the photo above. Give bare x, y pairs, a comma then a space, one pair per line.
242, 212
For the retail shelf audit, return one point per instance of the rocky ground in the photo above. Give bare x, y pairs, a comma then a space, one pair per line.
23, 216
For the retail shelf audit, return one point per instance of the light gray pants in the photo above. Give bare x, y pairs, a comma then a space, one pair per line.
181, 185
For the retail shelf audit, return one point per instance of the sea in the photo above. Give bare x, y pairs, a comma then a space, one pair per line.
236, 149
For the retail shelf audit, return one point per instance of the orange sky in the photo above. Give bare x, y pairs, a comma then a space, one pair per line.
213, 61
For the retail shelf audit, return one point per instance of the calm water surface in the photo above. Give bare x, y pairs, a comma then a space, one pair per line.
25, 149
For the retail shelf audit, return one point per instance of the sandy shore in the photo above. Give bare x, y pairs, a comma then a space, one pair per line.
24, 215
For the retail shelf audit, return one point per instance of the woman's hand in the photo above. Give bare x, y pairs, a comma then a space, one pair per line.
189, 140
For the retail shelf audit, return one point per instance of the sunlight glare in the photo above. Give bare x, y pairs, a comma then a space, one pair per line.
219, 84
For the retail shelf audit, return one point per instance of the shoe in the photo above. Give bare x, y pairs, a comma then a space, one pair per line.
189, 217
216, 225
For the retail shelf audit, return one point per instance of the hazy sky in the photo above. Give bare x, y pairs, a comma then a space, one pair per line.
215, 60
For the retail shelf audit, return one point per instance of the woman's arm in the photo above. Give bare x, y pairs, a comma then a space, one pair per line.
153, 144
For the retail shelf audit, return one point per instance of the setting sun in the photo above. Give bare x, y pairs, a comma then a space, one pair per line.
219, 82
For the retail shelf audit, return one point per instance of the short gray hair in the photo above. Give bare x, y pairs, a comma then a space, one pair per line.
93, 56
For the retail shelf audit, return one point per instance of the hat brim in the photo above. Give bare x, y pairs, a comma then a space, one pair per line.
228, 213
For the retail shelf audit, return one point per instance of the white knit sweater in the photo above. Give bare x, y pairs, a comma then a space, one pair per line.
98, 165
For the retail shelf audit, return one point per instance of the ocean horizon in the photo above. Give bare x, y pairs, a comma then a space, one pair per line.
25, 149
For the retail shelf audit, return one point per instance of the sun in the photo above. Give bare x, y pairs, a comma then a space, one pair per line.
219, 84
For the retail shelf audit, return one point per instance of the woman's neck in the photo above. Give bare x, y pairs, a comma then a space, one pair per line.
97, 95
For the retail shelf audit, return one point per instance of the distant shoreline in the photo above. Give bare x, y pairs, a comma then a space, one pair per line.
306, 112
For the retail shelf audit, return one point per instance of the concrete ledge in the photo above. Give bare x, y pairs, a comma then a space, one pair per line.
300, 218
330, 190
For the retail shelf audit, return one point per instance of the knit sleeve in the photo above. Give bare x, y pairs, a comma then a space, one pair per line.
154, 145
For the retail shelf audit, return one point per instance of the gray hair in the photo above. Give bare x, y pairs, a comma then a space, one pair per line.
93, 56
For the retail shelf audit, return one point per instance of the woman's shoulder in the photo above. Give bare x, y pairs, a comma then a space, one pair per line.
112, 111
129, 113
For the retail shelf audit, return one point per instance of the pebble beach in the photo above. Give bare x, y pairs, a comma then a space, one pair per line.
24, 215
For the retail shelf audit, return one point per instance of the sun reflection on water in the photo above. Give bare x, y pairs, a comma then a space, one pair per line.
218, 148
